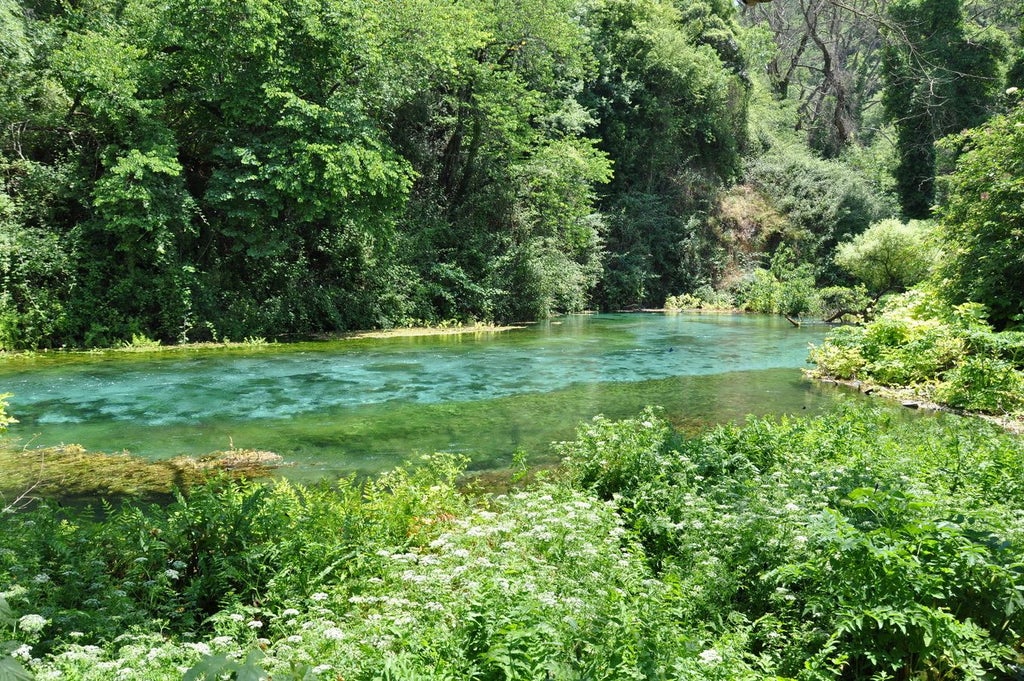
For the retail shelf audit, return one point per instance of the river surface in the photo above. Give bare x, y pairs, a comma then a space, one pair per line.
345, 406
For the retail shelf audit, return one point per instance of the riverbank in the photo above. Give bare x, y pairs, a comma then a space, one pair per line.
144, 345
428, 331
915, 398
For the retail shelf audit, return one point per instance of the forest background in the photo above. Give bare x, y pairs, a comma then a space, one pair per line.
183, 171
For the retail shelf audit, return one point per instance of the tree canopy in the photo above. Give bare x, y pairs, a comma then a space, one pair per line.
195, 171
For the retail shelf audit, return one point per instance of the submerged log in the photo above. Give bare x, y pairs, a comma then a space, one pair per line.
250, 460
71, 470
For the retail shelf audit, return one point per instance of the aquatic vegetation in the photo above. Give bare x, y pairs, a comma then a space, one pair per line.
71, 470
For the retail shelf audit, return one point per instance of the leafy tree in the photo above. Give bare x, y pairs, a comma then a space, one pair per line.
298, 186
1015, 74
501, 222
982, 220
889, 256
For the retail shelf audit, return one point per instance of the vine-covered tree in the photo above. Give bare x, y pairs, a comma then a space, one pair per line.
942, 75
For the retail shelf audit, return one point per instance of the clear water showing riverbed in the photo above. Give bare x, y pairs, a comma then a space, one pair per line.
364, 405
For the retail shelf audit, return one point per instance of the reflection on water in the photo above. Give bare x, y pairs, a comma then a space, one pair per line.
363, 405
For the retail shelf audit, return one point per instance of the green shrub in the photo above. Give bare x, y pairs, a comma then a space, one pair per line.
984, 384
859, 544
786, 288
863, 543
951, 354
889, 256
901, 591
704, 298
922, 355
839, 355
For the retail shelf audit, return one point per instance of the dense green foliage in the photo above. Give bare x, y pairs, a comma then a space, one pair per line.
193, 171
983, 220
784, 288
824, 203
187, 171
926, 95
190, 170
852, 545
951, 356
670, 99
874, 89
890, 256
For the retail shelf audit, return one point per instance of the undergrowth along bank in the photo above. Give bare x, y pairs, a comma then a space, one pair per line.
950, 356
864, 543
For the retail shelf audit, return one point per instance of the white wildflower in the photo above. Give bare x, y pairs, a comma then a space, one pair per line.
32, 623
413, 576
710, 656
200, 648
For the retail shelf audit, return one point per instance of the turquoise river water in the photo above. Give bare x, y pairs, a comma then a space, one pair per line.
363, 405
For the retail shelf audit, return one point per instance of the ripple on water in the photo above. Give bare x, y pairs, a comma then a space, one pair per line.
344, 406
